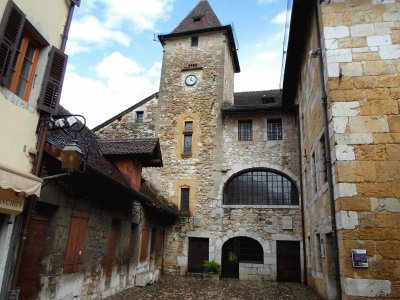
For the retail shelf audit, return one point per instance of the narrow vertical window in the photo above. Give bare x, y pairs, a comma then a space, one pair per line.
319, 253
187, 137
314, 172
139, 116
195, 41
323, 158
185, 198
245, 130
274, 128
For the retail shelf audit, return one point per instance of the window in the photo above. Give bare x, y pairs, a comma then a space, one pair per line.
185, 200
23, 67
322, 159
76, 242
139, 116
245, 132
187, 137
319, 252
188, 126
242, 249
20, 48
274, 128
195, 41
314, 172
260, 187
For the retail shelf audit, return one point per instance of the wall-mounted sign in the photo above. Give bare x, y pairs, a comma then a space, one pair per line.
10, 202
360, 258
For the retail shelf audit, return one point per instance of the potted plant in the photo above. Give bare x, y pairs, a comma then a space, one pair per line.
211, 269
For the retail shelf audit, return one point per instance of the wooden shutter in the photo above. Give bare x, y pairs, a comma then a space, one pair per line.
144, 248
76, 241
52, 83
10, 33
160, 242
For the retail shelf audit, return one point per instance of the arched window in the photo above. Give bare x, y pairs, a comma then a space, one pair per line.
260, 187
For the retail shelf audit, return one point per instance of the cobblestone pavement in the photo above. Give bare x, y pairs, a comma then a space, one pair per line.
197, 288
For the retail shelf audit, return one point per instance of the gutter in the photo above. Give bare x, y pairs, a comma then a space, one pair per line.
327, 154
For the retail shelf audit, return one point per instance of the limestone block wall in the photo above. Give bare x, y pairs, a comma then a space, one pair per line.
363, 60
362, 64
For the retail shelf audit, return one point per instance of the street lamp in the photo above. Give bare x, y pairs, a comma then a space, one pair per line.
71, 157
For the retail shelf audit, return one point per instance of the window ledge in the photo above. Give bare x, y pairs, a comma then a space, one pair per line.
262, 206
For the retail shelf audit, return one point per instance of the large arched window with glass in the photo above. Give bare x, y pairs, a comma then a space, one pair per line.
260, 187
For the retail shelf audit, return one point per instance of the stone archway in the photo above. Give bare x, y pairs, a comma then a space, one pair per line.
240, 250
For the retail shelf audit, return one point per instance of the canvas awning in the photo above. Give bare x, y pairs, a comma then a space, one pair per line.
19, 181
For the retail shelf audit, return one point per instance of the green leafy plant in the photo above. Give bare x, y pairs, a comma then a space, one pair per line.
210, 267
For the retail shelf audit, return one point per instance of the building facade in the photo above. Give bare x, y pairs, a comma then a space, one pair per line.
343, 62
31, 43
231, 161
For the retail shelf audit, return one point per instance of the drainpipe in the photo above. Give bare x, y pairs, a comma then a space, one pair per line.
327, 154
303, 227
37, 168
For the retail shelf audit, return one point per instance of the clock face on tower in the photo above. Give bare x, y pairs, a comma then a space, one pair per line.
190, 80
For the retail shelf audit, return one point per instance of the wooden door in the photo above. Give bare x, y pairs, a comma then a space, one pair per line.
198, 253
288, 261
30, 265
112, 249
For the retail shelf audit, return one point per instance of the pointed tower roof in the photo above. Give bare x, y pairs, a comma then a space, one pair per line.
201, 17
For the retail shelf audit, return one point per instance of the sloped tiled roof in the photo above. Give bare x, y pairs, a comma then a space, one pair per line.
98, 165
200, 18
254, 101
146, 150
254, 98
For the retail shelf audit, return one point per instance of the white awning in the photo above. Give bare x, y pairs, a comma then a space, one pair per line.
19, 181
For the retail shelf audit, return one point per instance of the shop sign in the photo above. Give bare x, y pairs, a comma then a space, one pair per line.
10, 202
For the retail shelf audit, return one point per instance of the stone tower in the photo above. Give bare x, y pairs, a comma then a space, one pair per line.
197, 76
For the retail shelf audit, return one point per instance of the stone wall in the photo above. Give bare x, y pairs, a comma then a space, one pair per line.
127, 126
362, 65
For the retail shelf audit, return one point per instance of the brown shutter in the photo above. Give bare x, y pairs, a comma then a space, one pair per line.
52, 83
144, 249
160, 242
10, 33
76, 241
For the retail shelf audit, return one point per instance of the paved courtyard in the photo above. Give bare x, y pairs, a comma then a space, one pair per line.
197, 288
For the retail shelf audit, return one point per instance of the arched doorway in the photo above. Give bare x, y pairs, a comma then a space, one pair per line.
240, 249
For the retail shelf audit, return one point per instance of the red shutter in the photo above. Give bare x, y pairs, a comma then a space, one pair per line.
76, 241
10, 33
144, 249
53, 80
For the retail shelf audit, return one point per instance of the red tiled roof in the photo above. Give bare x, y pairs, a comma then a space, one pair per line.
200, 18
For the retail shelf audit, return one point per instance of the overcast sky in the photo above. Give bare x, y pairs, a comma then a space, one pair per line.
115, 57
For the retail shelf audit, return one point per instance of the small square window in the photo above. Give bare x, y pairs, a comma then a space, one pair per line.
245, 130
139, 116
195, 41
188, 126
274, 128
